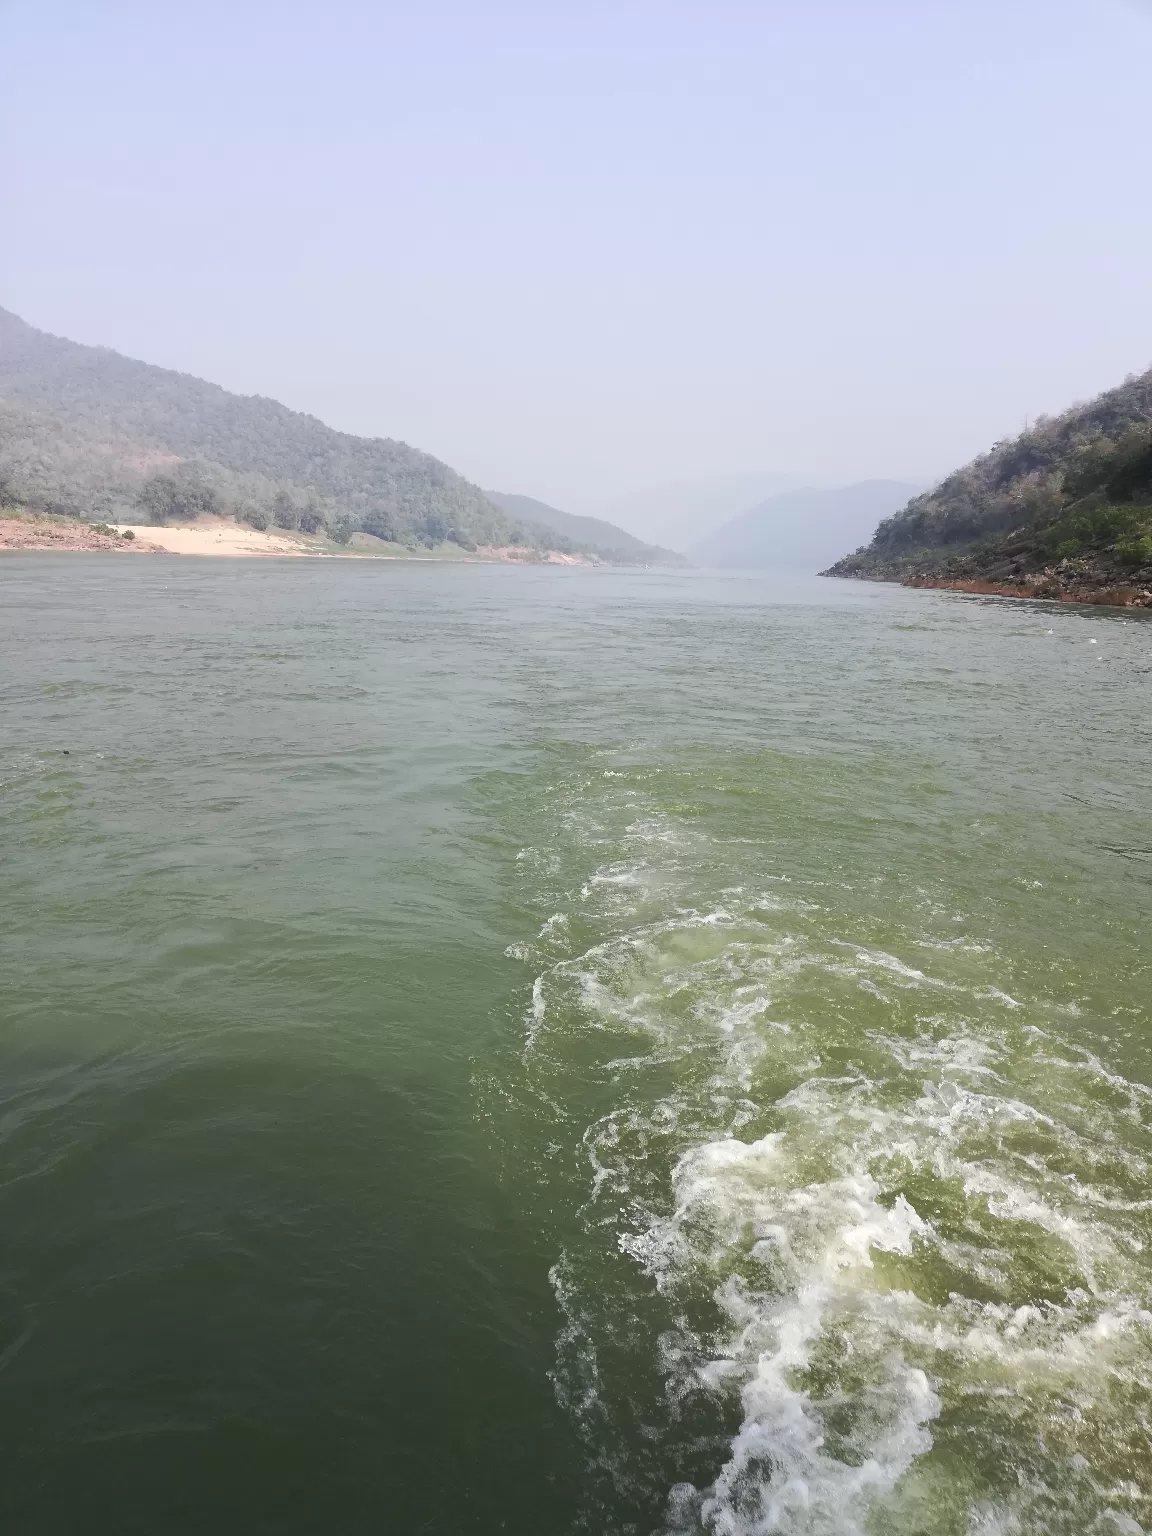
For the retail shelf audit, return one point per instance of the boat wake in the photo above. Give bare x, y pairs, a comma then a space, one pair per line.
863, 1240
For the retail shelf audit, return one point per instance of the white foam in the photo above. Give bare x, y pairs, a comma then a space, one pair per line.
803, 1242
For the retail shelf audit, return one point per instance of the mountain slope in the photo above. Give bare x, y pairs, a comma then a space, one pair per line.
802, 529
83, 429
590, 533
1064, 508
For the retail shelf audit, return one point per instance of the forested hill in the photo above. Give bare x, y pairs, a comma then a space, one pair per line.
1066, 507
86, 431
586, 532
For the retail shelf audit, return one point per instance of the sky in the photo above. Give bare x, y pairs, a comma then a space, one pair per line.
586, 251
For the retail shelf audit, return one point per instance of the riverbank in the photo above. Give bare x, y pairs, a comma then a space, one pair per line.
45, 533
1046, 586
1045, 590
222, 537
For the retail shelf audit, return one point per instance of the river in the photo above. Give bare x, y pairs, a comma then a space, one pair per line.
532, 1051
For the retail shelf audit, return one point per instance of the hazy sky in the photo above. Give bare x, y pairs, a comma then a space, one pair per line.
581, 249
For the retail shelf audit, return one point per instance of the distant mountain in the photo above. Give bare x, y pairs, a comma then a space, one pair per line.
800, 530
681, 514
587, 533
85, 430
1064, 508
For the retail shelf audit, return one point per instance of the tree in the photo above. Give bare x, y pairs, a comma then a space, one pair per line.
177, 496
284, 511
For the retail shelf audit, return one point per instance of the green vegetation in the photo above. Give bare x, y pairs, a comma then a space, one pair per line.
176, 498
1069, 500
87, 433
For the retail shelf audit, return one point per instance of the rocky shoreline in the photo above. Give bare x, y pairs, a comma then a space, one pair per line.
36, 533
1043, 589
1053, 585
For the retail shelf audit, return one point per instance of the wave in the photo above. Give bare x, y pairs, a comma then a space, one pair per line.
883, 1216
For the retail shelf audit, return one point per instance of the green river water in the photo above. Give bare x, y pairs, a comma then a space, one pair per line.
497, 1050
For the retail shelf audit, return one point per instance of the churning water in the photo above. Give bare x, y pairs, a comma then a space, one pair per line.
528, 1051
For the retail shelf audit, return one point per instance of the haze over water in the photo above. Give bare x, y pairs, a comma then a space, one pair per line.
508, 1050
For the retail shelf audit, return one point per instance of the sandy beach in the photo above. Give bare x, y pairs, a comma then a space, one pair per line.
220, 536
208, 536
217, 536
